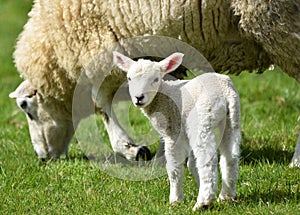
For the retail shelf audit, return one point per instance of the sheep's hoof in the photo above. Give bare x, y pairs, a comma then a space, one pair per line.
143, 154
203, 206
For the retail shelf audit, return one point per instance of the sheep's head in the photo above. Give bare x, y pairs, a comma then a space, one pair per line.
49, 127
145, 76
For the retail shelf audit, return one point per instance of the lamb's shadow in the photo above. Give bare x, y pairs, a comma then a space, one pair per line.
251, 155
272, 197
266, 154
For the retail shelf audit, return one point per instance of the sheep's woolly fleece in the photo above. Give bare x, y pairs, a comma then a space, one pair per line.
63, 36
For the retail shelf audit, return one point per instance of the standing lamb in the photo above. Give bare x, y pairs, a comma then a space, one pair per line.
62, 38
185, 114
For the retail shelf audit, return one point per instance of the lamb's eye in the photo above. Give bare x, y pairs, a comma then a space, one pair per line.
129, 79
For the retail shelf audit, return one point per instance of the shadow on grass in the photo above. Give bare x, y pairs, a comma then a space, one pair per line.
270, 180
270, 197
250, 155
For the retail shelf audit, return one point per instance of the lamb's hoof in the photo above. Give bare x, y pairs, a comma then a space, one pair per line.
176, 201
203, 206
227, 198
143, 154
295, 164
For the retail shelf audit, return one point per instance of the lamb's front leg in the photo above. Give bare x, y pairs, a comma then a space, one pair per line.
296, 158
175, 153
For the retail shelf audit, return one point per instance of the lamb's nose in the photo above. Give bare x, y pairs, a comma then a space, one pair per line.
140, 98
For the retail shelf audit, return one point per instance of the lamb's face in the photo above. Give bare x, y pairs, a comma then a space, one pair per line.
145, 76
144, 79
49, 127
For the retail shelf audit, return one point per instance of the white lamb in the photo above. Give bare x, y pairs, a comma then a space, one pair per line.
186, 115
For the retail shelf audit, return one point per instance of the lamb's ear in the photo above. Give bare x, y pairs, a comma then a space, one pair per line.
121, 61
25, 89
172, 62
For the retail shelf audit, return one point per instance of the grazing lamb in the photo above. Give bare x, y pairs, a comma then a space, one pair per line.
62, 38
186, 113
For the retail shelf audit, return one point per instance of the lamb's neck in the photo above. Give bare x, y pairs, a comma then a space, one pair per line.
162, 101
164, 111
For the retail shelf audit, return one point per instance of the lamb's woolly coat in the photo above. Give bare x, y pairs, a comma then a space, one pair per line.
186, 114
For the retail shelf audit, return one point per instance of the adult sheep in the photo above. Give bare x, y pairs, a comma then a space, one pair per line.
61, 38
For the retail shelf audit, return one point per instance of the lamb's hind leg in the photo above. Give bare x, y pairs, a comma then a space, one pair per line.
206, 160
229, 159
191, 164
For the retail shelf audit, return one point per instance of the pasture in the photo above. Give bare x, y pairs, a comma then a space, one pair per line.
270, 105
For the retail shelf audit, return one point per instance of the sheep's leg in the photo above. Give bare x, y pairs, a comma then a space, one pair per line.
119, 139
175, 156
205, 152
296, 158
229, 159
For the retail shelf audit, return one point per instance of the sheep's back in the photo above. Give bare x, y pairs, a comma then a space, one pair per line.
276, 26
64, 38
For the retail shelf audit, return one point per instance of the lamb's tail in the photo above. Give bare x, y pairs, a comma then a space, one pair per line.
233, 106
233, 128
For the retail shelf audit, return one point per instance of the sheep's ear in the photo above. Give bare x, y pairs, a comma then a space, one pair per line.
25, 89
121, 61
172, 62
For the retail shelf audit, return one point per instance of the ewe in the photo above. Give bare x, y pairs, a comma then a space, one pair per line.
62, 37
186, 113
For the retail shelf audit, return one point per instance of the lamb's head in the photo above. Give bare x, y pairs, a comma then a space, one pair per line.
145, 76
49, 127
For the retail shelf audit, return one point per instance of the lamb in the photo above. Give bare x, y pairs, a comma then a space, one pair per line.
185, 114
62, 38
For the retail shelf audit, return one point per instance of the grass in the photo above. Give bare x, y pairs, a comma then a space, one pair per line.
270, 109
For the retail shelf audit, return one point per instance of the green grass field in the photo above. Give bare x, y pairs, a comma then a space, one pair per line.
270, 105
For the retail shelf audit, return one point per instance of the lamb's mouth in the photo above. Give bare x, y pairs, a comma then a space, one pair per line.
139, 104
